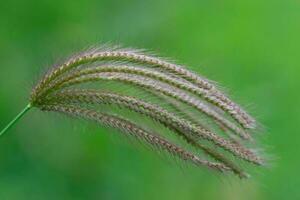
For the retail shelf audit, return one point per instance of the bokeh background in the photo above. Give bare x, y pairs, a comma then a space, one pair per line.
251, 47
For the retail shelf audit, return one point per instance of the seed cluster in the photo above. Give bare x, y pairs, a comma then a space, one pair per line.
173, 84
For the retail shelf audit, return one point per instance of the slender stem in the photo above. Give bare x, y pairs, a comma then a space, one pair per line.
20, 115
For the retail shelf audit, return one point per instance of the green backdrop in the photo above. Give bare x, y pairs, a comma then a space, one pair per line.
251, 47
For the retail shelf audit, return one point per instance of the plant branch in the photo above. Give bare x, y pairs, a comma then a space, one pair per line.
19, 116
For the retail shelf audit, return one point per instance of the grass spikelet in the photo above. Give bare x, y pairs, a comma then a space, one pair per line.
136, 56
180, 126
160, 115
132, 129
67, 88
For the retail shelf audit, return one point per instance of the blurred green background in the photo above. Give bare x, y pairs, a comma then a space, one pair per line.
251, 47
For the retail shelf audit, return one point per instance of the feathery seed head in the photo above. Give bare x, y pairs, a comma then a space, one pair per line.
57, 92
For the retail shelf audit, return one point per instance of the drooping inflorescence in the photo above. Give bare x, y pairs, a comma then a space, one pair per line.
190, 106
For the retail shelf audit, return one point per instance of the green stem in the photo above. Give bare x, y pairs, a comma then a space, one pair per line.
20, 115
